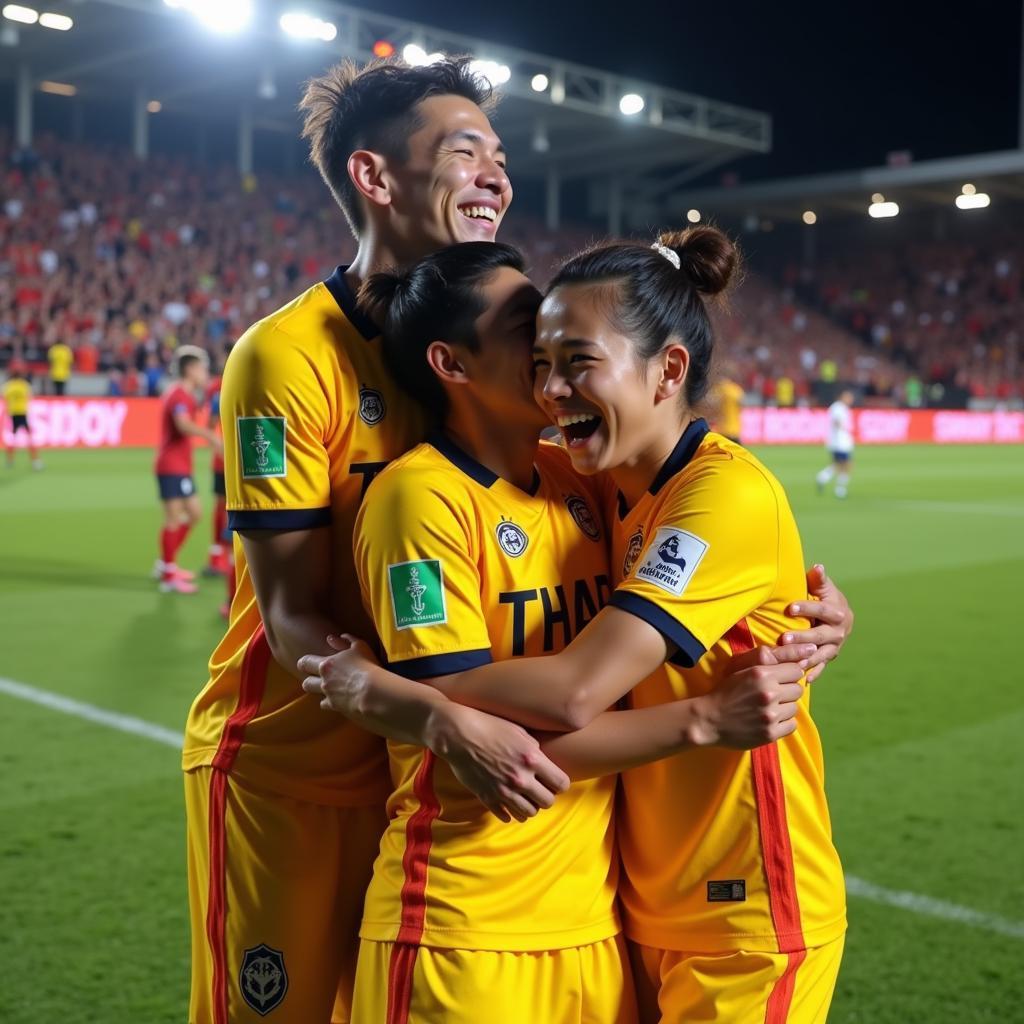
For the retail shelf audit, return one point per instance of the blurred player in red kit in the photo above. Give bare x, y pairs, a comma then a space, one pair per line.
178, 425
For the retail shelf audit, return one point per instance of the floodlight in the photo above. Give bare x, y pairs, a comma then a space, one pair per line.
57, 88
693, 216
217, 15
24, 15
300, 25
810, 217
631, 103
382, 48
154, 106
60, 22
539, 83
418, 57
491, 70
975, 201
883, 209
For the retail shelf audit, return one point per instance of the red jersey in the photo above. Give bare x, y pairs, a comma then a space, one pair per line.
174, 456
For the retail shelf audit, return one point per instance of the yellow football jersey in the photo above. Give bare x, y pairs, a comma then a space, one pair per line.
17, 393
461, 567
730, 407
722, 849
309, 417
61, 360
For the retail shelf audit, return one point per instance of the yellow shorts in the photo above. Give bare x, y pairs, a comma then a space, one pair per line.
739, 987
276, 891
403, 984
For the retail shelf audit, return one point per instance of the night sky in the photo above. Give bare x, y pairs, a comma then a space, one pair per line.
845, 83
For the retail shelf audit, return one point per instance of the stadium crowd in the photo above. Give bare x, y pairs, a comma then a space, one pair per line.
949, 313
123, 261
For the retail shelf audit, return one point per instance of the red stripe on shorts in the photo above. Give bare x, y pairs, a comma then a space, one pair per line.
250, 695
414, 888
779, 1002
216, 908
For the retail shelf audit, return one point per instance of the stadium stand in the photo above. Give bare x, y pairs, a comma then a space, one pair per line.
124, 260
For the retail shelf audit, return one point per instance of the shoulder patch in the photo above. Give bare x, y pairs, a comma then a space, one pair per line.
417, 593
671, 560
262, 446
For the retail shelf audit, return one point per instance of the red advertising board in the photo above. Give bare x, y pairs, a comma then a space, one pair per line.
91, 423
885, 426
135, 423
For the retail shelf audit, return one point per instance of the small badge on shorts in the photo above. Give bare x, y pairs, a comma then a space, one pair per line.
371, 406
261, 446
730, 890
263, 979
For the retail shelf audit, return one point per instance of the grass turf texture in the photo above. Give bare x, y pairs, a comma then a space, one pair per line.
921, 718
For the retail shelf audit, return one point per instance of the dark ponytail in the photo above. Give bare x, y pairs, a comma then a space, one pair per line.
657, 300
436, 300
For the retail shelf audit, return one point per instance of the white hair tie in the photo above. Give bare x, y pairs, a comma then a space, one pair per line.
670, 254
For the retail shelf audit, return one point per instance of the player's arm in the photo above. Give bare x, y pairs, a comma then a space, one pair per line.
415, 542
644, 626
190, 428
755, 704
275, 414
498, 761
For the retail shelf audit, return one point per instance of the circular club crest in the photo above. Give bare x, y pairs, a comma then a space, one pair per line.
633, 548
511, 538
584, 518
371, 406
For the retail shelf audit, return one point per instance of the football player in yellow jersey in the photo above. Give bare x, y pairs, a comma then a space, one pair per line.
727, 402
474, 547
17, 395
733, 892
285, 805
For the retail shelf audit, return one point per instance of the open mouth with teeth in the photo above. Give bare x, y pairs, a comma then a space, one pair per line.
577, 428
484, 213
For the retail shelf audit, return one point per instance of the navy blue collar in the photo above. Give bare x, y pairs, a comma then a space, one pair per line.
337, 284
473, 469
686, 447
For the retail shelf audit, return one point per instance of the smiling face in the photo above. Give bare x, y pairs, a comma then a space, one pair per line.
609, 406
453, 186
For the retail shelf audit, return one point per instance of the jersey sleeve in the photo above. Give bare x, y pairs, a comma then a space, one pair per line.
275, 416
420, 579
712, 557
181, 403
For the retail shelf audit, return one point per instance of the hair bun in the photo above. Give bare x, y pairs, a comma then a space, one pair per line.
378, 293
707, 256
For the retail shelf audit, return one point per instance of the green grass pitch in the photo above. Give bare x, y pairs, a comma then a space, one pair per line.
922, 719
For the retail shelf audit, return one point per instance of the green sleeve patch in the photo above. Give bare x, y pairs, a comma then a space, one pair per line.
261, 446
417, 593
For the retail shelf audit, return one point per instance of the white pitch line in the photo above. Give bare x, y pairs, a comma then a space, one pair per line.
91, 713
858, 887
931, 907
